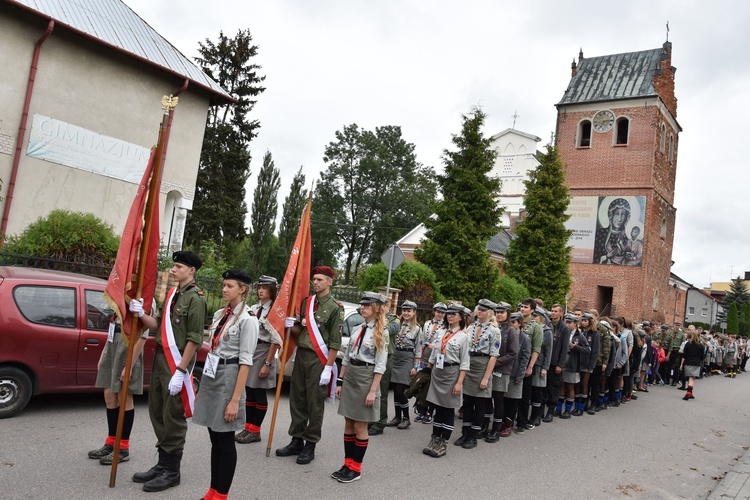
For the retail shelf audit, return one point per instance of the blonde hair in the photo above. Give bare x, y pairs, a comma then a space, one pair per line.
377, 332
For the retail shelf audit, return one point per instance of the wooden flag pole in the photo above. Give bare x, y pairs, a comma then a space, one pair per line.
151, 205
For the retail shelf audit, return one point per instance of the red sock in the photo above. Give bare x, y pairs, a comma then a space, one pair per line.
110, 441
210, 494
124, 444
252, 428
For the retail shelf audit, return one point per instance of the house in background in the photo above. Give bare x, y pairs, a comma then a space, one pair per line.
701, 307
82, 84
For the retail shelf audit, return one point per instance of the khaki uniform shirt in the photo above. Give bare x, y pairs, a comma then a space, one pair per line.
330, 320
188, 316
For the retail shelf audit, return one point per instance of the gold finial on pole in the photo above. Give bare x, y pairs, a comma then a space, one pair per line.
168, 103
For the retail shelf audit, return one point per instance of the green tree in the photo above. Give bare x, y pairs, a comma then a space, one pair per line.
291, 212
219, 207
745, 319
416, 281
539, 255
263, 215
733, 319
467, 216
509, 290
365, 191
738, 293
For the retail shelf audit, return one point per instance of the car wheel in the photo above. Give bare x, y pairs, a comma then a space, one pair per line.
15, 391
197, 374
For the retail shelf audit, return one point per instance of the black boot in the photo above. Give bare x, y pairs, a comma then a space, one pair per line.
464, 434
494, 434
293, 448
169, 477
536, 415
471, 440
307, 454
485, 430
153, 472
549, 416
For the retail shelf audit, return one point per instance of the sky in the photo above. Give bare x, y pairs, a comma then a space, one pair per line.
422, 64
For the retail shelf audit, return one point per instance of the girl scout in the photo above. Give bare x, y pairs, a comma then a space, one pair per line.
403, 363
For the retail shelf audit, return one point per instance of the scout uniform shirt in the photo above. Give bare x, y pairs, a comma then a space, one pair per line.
189, 310
456, 348
430, 332
536, 336
238, 338
362, 348
392, 324
485, 339
329, 315
261, 311
406, 338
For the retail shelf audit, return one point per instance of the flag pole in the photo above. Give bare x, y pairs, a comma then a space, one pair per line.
287, 334
153, 199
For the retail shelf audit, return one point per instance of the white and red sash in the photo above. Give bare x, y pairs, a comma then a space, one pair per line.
172, 353
320, 347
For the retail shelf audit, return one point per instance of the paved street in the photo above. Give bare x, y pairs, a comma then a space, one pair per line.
656, 447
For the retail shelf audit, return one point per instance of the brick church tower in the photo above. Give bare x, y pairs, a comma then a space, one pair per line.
617, 132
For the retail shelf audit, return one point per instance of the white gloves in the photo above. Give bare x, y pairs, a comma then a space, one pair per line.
136, 307
175, 384
325, 377
289, 322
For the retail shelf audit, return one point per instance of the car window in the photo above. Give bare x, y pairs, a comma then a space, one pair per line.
47, 305
352, 322
98, 312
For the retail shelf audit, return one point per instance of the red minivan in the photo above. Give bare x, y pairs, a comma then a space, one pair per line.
53, 327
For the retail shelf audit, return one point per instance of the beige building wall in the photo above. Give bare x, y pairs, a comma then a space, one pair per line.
91, 86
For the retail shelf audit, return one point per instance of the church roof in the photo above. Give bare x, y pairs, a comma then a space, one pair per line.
516, 132
499, 243
115, 25
614, 77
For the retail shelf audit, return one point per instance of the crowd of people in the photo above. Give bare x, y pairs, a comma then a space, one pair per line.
505, 369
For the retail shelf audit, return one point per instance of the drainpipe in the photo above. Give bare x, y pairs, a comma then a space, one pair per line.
22, 129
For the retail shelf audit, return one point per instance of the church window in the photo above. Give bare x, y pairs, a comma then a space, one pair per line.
584, 134
663, 232
622, 130
671, 149
655, 302
663, 140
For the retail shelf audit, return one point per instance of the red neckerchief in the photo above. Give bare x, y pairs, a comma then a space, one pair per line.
220, 327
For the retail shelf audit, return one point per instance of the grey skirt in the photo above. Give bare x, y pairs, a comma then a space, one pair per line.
403, 362
626, 369
477, 367
214, 396
514, 390
259, 358
500, 382
692, 371
571, 377
354, 390
113, 361
536, 378
441, 387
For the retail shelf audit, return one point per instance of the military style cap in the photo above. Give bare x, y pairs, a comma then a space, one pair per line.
571, 317
408, 304
516, 316
323, 270
646, 323
237, 274
458, 308
587, 316
502, 306
267, 280
539, 311
664, 326
187, 258
606, 325
486, 305
440, 307
372, 297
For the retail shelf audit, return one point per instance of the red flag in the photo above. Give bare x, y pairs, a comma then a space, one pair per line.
122, 278
296, 283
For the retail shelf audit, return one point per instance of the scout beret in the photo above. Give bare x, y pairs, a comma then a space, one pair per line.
237, 274
408, 304
516, 316
323, 270
571, 317
486, 304
187, 258
267, 280
372, 297
587, 316
440, 307
502, 306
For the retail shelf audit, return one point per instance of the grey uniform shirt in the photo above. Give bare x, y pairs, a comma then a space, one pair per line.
261, 312
430, 331
362, 348
238, 338
407, 337
485, 338
456, 348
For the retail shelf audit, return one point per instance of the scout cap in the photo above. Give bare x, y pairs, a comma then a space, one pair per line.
408, 304
458, 308
571, 317
606, 325
664, 326
516, 316
325, 270
440, 307
486, 305
267, 280
587, 316
237, 274
502, 306
372, 297
539, 311
187, 258
646, 323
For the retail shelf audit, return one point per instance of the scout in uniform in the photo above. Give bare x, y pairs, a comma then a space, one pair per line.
109, 376
577, 346
597, 361
484, 348
404, 360
319, 331
506, 357
393, 324
517, 375
171, 391
358, 388
220, 404
262, 374
560, 340
448, 365
536, 335
423, 349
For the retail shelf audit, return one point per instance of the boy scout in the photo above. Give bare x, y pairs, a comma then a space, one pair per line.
310, 376
187, 317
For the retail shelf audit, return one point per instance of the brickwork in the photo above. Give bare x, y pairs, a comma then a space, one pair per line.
6, 144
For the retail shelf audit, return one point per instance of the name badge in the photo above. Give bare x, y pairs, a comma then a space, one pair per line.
440, 360
111, 332
212, 363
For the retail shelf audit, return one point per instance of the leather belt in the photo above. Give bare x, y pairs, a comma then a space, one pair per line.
471, 353
356, 362
405, 349
229, 361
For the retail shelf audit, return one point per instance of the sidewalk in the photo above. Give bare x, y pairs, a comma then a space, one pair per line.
736, 483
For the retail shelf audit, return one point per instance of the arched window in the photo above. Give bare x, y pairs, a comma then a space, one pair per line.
663, 139
622, 130
584, 134
671, 149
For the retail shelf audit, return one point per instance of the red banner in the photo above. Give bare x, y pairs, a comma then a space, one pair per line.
296, 283
121, 284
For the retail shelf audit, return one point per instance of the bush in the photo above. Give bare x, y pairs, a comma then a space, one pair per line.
416, 281
70, 236
509, 290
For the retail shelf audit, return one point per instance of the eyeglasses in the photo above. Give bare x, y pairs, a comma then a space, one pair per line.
451, 313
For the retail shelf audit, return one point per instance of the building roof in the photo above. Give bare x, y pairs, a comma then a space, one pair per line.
499, 243
115, 25
517, 132
614, 77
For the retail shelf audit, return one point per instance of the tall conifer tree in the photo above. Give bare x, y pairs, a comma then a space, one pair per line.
263, 215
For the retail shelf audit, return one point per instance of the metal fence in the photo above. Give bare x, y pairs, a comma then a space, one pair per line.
97, 271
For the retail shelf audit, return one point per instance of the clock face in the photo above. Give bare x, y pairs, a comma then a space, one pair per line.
604, 120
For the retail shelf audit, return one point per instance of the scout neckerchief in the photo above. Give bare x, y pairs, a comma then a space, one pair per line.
478, 332
173, 356
320, 347
358, 341
404, 331
216, 334
447, 337
265, 324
